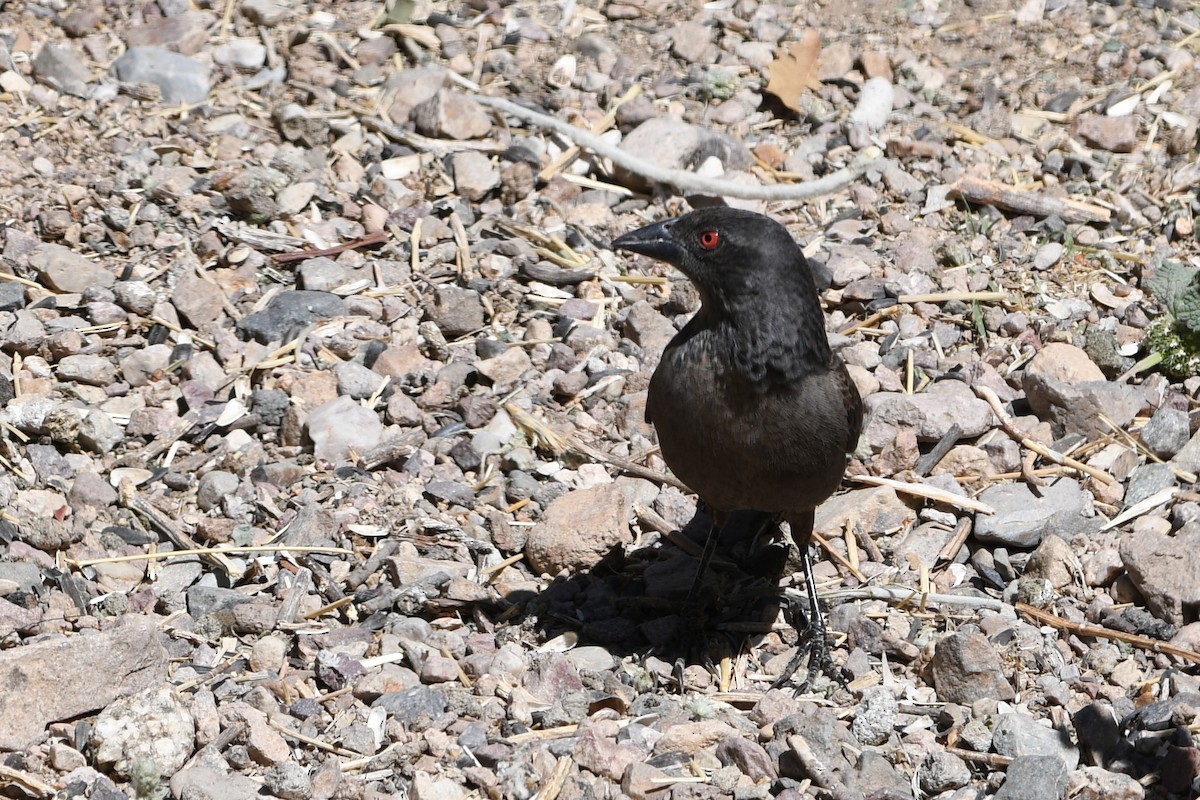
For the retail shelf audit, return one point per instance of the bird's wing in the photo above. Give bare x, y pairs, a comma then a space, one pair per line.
852, 400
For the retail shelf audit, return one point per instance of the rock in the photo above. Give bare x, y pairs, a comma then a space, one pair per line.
59, 66
1017, 735
206, 783
1063, 362
1167, 432
341, 427
412, 88
1034, 778
1114, 134
199, 301
966, 667
1023, 519
941, 772
213, 487
505, 370
239, 53
1053, 560
151, 727
456, 311
426, 787
452, 115
748, 756
1164, 567
876, 717
412, 705
1097, 783
1188, 457
181, 79
874, 104
62, 679
579, 529
930, 414
674, 144
66, 271
474, 174
1076, 408
89, 369
290, 310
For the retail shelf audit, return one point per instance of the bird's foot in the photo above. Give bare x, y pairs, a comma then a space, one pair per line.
690, 645
814, 644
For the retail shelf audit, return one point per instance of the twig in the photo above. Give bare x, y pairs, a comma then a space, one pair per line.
928, 492
165, 555
681, 180
1037, 204
1096, 631
991, 759
904, 595
949, 297
961, 531
818, 771
379, 237
129, 498
27, 782
927, 462
1045, 452
558, 779
637, 470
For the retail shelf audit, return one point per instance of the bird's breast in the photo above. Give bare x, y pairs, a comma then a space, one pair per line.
739, 446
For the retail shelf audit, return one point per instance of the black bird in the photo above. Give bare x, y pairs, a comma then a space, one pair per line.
753, 410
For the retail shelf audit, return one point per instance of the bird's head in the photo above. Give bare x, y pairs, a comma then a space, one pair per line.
733, 256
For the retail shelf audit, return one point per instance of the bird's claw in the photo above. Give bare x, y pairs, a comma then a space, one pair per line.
814, 644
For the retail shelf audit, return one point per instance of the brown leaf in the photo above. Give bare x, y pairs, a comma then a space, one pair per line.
795, 72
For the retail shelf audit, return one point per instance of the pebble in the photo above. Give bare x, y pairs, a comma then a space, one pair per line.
181, 79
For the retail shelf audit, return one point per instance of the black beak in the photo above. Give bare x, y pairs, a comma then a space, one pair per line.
654, 241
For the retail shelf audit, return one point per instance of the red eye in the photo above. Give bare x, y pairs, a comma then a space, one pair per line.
710, 239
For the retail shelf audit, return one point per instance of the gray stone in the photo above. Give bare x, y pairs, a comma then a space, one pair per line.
1147, 481
244, 54
474, 174
151, 729
12, 296
1023, 519
181, 79
355, 380
456, 311
1167, 432
450, 114
291, 309
1077, 408
67, 678
942, 771
59, 66
966, 667
929, 414
67, 271
342, 426
876, 717
672, 143
411, 705
1034, 778
1015, 735
1164, 568
213, 487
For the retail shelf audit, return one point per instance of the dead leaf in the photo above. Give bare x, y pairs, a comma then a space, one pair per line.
794, 73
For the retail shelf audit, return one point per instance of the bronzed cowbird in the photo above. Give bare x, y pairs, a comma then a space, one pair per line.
753, 410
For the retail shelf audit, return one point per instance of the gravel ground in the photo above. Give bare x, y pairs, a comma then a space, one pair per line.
323, 463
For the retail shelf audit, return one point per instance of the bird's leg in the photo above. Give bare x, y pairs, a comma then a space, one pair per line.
812, 641
689, 633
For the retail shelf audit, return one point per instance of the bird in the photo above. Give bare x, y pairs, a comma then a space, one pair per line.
753, 410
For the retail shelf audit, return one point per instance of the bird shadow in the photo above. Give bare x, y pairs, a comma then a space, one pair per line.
630, 602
